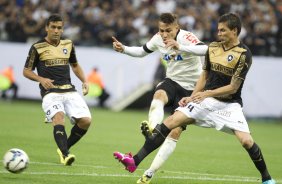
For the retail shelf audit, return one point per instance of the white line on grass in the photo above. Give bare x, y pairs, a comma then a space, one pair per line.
131, 176
195, 176
167, 171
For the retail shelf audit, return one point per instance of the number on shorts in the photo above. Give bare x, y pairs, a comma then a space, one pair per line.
56, 106
190, 107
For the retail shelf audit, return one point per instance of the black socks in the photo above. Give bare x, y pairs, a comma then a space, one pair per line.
76, 134
61, 138
152, 142
257, 158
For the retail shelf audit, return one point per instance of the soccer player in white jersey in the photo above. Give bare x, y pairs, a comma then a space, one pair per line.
216, 100
182, 50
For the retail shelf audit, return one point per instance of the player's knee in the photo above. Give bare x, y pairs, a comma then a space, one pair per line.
175, 133
160, 95
84, 123
247, 142
58, 118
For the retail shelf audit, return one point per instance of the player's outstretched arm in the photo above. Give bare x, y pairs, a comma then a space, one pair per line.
128, 50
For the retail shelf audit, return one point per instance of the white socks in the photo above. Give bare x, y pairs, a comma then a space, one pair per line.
164, 152
156, 113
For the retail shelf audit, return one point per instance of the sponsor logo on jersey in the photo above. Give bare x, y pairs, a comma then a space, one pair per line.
56, 62
169, 57
223, 69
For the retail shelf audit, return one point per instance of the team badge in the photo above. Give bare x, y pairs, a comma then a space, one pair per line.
65, 51
230, 58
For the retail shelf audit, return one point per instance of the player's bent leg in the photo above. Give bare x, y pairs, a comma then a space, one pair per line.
156, 113
84, 122
151, 143
177, 119
163, 154
78, 130
255, 153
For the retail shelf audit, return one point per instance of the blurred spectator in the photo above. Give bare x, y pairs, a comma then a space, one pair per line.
92, 22
97, 87
8, 74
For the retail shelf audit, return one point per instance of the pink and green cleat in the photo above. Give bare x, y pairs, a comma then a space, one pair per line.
127, 160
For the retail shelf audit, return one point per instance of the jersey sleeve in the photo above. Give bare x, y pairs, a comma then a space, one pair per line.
32, 58
207, 64
73, 58
243, 65
151, 45
189, 38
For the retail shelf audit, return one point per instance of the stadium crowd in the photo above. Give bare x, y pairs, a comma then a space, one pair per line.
93, 22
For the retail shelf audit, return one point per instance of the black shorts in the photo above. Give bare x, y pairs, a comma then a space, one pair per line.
174, 93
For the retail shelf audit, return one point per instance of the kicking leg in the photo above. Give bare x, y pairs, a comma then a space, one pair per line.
153, 142
163, 154
156, 112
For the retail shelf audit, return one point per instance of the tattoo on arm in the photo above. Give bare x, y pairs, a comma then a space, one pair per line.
236, 82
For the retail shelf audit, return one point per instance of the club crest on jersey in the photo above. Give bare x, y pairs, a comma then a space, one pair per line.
65, 51
230, 58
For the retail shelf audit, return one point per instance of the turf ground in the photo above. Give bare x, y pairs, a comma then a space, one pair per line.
202, 156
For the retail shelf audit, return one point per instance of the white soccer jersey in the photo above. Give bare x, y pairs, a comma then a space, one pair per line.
182, 67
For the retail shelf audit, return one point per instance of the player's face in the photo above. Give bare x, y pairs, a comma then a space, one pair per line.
225, 34
54, 31
168, 31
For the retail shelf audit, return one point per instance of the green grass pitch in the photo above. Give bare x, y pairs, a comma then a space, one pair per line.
202, 156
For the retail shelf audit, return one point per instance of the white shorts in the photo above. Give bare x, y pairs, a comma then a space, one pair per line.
212, 113
70, 103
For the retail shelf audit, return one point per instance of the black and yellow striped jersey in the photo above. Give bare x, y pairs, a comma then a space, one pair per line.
223, 65
53, 62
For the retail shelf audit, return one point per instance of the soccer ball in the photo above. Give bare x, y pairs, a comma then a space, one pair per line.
15, 160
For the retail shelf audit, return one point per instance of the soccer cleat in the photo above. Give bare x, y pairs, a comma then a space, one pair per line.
269, 182
66, 160
146, 130
62, 160
47, 121
127, 160
144, 179
69, 159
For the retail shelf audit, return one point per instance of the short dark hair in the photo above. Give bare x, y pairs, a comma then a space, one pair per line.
233, 21
54, 18
168, 18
